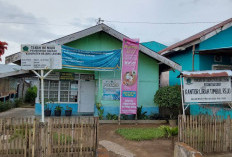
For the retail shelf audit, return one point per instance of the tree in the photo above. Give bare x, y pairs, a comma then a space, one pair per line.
3, 47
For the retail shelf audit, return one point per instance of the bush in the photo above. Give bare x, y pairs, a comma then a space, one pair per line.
169, 131
31, 94
141, 115
18, 102
111, 116
169, 97
6, 105
100, 111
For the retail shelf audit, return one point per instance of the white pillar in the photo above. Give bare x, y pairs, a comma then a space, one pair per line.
42, 94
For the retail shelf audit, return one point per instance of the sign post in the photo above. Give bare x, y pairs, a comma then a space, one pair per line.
41, 57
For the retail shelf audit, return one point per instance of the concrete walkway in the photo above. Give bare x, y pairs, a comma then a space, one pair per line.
115, 148
18, 112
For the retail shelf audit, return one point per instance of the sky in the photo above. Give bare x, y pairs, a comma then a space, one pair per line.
39, 21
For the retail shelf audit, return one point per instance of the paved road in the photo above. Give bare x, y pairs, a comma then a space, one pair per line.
18, 112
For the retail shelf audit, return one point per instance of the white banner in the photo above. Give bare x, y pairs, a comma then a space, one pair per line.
216, 89
35, 57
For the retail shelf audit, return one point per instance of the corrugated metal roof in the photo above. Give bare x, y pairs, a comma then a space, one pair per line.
207, 73
154, 46
9, 68
195, 37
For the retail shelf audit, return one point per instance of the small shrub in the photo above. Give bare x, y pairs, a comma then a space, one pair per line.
64, 139
169, 97
169, 131
18, 102
140, 114
111, 116
100, 111
4, 106
31, 94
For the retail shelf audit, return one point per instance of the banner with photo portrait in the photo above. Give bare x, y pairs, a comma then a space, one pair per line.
129, 76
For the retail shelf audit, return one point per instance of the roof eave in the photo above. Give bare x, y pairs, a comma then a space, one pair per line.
198, 40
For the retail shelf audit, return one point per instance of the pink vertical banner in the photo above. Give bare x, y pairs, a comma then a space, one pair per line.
129, 76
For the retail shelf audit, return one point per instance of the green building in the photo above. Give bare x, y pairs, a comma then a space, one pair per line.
87, 88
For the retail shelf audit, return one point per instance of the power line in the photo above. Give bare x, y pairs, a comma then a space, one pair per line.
163, 23
100, 21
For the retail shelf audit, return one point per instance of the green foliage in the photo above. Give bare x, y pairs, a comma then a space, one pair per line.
4, 106
68, 108
31, 94
58, 108
18, 102
63, 138
169, 131
169, 97
140, 114
138, 134
111, 116
19, 134
100, 111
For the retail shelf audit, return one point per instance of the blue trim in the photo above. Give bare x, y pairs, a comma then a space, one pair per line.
115, 110
53, 106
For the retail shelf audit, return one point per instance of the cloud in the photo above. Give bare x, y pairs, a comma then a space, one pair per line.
13, 29
83, 23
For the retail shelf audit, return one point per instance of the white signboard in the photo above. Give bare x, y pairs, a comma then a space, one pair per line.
35, 57
217, 89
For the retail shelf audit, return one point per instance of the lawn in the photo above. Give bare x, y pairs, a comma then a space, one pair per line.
138, 134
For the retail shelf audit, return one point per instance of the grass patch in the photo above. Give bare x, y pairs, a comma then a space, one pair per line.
138, 134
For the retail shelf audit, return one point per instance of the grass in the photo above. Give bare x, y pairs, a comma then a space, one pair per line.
139, 134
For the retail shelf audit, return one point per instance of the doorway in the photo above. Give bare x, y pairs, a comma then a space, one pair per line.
87, 96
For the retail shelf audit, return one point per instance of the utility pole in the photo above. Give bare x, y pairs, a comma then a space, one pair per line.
99, 21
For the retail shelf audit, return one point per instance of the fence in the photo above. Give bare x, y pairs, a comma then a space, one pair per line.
206, 133
27, 137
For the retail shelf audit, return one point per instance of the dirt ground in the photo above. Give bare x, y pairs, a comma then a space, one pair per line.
151, 148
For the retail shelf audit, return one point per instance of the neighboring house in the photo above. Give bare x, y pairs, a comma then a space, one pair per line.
86, 88
8, 85
210, 49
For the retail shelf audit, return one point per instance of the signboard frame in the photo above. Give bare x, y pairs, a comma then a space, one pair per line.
41, 57
185, 104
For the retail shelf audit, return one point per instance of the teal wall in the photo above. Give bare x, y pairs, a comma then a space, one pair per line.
148, 84
204, 61
148, 71
207, 60
218, 41
184, 58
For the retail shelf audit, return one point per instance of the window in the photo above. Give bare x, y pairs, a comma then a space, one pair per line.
68, 91
73, 95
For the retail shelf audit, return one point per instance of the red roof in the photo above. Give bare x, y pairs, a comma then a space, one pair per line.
196, 36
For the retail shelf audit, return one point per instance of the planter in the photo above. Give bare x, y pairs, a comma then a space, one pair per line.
173, 123
68, 112
47, 113
57, 112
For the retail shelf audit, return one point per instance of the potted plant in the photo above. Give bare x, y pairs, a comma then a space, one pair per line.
68, 111
58, 110
169, 97
47, 110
